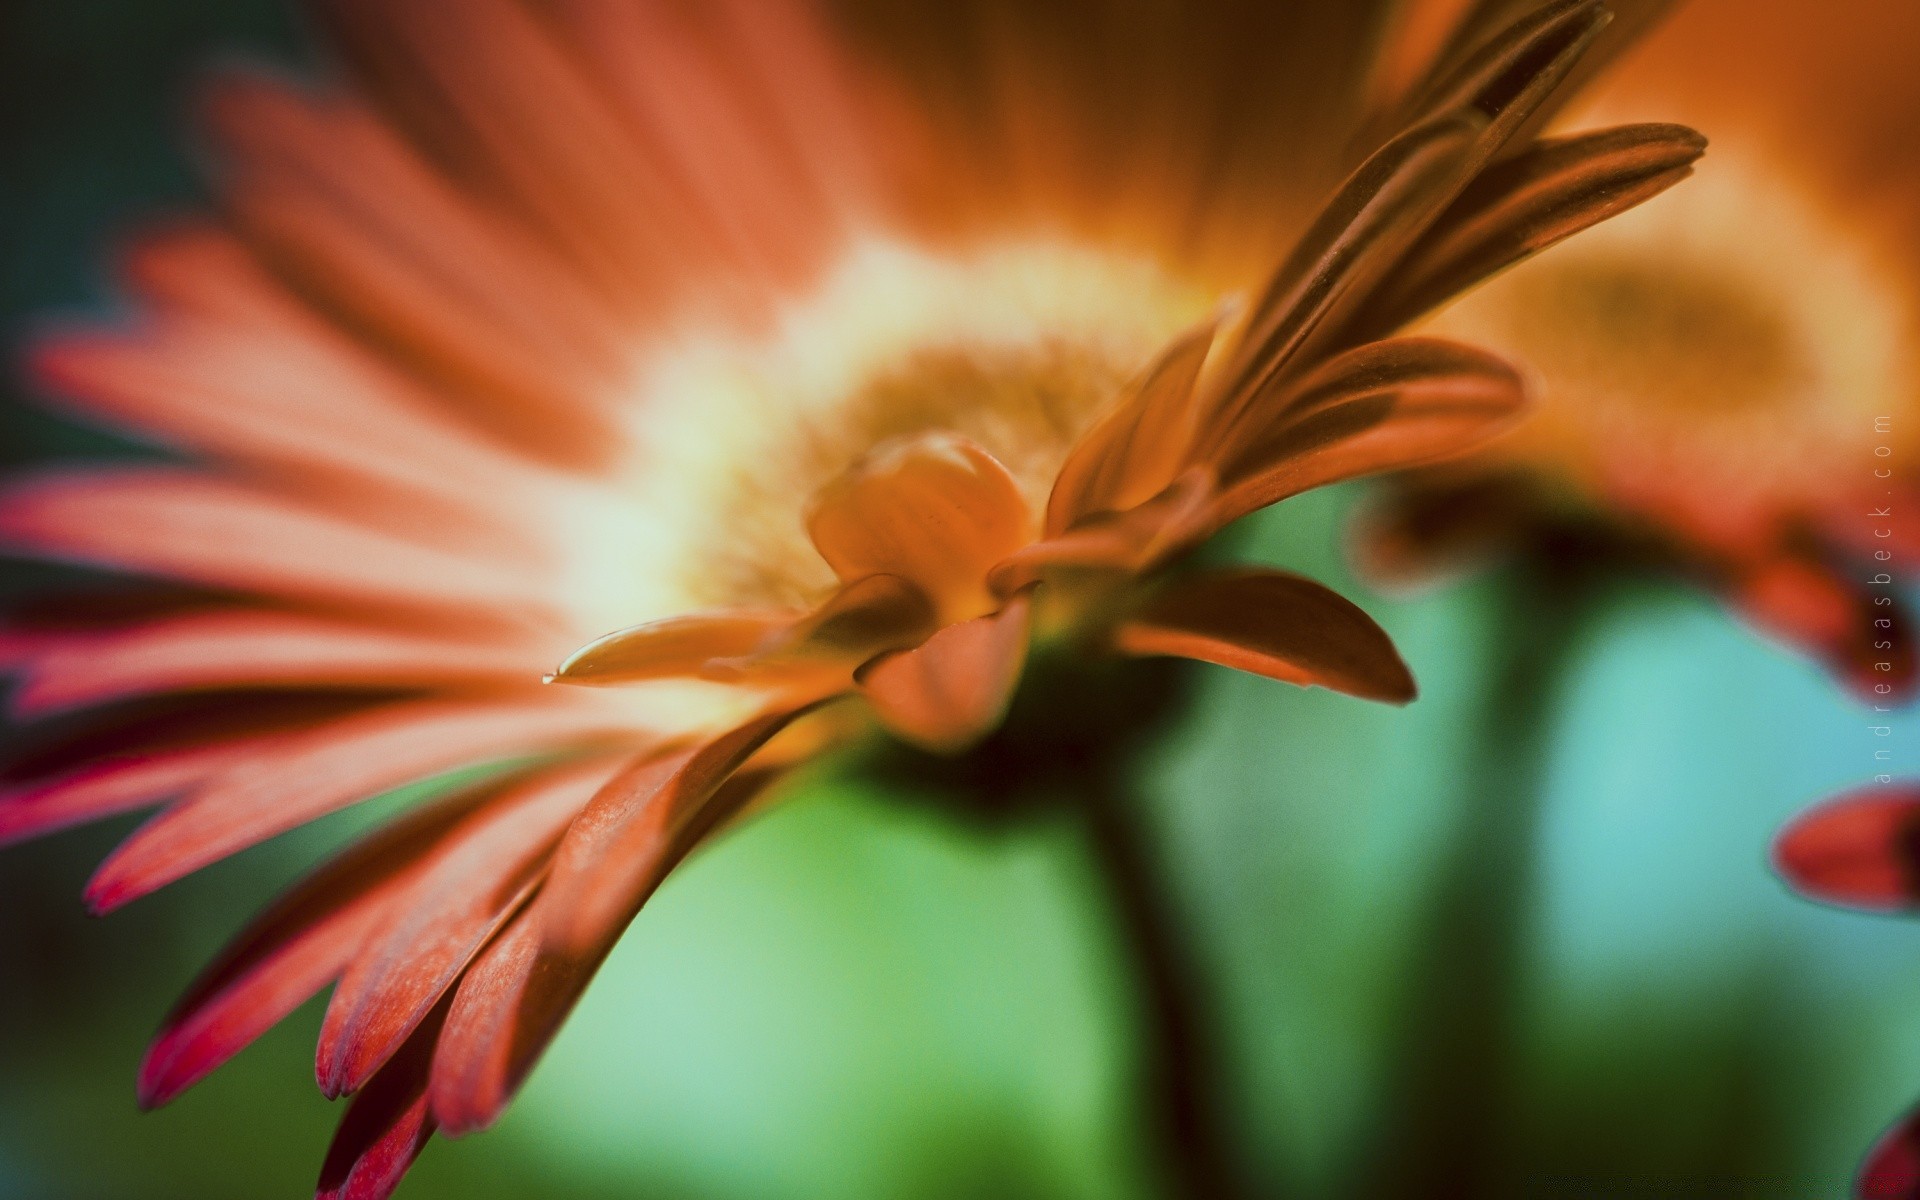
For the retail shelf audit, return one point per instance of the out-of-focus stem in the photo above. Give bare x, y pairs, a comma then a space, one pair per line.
1441, 1133
1179, 1063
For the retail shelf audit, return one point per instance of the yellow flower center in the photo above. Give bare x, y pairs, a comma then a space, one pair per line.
1015, 347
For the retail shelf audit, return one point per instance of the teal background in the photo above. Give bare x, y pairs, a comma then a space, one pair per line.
859, 996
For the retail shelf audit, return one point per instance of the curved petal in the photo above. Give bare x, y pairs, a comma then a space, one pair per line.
1132, 542
466, 890
1861, 850
952, 689
1544, 194
1273, 624
107, 787
291, 950
934, 509
629, 835
1382, 406
1892, 1168
386, 1126
673, 647
1135, 449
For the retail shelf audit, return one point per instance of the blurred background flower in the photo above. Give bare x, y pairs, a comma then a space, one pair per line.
864, 997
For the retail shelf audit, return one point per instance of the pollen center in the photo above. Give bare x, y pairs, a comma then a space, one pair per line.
1015, 347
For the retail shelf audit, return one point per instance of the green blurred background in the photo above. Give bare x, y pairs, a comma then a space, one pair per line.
858, 996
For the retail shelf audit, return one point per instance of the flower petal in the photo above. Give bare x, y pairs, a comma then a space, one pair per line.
188, 525
1132, 542
505, 1010
1382, 406
386, 1126
1370, 221
1861, 850
107, 788
1135, 449
292, 950
952, 689
676, 646
1548, 192
325, 769
517, 992
1838, 618
934, 509
252, 648
630, 834
1892, 1168
472, 883
1273, 624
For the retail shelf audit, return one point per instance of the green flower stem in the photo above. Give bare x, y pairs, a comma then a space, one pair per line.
1179, 1062
1442, 1128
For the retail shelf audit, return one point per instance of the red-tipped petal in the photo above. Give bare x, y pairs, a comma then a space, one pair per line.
474, 881
329, 768
517, 991
290, 951
109, 787
1273, 624
386, 1126
1892, 1168
1862, 849
952, 689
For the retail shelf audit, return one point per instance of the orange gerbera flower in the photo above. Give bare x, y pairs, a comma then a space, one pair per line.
568, 317
1726, 378
1862, 850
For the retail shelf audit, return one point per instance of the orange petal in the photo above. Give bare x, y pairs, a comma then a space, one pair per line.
1382, 406
1125, 543
1510, 77
514, 996
1470, 110
871, 615
467, 889
1519, 207
674, 646
1133, 451
951, 690
628, 836
934, 509
1273, 624
292, 950
1388, 200
506, 1009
